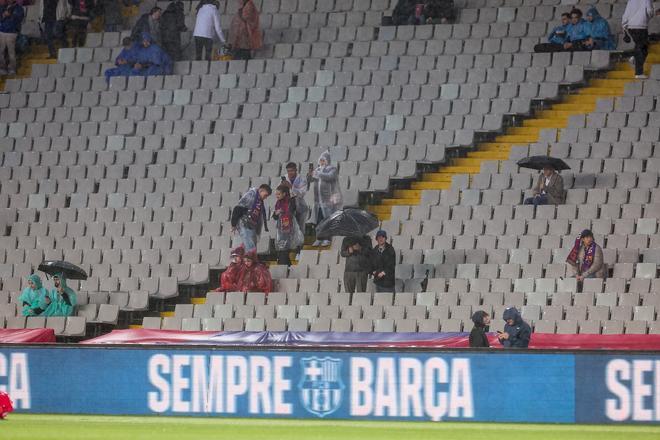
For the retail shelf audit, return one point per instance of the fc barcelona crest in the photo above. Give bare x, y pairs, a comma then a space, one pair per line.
321, 387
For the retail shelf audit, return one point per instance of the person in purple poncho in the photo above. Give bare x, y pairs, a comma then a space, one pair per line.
142, 59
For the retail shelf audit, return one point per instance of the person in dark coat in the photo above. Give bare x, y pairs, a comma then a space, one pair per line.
384, 263
172, 23
404, 13
81, 15
478, 337
357, 252
439, 11
149, 23
517, 332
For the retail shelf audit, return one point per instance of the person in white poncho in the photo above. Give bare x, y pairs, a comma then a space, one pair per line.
327, 194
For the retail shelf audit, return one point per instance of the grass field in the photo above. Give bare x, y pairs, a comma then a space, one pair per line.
46, 427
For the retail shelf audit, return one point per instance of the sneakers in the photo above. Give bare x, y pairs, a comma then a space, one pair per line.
631, 60
317, 243
641, 77
325, 243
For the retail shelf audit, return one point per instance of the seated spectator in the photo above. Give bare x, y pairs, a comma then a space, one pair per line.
62, 299
557, 37
439, 12
578, 33
517, 332
384, 263
549, 189
11, 17
207, 26
586, 258
599, 32
255, 276
230, 278
149, 23
145, 59
478, 337
288, 235
245, 31
33, 297
172, 23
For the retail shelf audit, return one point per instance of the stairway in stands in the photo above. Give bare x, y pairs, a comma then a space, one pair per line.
555, 116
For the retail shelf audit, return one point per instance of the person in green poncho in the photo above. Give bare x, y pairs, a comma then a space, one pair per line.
33, 297
61, 299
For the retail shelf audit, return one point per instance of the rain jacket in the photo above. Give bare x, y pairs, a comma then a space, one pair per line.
519, 333
153, 59
230, 278
478, 337
245, 31
578, 32
357, 261
146, 24
256, 278
207, 23
11, 24
559, 34
298, 191
127, 55
599, 31
325, 184
33, 300
250, 212
287, 234
64, 303
172, 23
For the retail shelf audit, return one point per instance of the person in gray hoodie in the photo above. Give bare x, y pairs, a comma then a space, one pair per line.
635, 23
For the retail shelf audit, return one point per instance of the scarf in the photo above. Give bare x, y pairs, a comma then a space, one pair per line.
285, 216
256, 211
589, 253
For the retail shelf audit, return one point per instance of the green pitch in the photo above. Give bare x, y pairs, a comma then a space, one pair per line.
46, 427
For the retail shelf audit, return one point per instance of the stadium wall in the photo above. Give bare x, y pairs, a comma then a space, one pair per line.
457, 385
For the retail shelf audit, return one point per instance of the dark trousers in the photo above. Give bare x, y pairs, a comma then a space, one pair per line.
641, 39
380, 289
242, 54
548, 47
203, 46
355, 282
79, 32
55, 30
540, 199
283, 258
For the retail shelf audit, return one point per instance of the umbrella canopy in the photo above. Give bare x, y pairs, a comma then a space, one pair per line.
349, 222
540, 162
70, 271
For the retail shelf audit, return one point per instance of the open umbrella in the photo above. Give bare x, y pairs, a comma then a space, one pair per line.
540, 162
349, 222
71, 271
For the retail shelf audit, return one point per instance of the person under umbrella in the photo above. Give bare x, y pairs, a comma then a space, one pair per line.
327, 194
255, 276
586, 258
358, 254
288, 236
231, 277
62, 299
549, 189
33, 297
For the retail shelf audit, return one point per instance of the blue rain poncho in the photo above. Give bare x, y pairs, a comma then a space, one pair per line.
599, 31
559, 34
61, 303
33, 300
325, 184
124, 63
144, 61
578, 32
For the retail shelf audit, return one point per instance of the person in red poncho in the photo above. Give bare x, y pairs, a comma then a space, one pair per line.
232, 275
255, 276
6, 405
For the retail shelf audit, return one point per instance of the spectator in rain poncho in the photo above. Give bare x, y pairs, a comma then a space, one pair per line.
255, 276
298, 188
324, 182
578, 32
245, 31
230, 278
599, 32
557, 37
249, 216
172, 23
62, 299
124, 61
33, 297
146, 59
288, 235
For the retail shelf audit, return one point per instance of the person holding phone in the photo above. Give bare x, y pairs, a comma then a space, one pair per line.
517, 332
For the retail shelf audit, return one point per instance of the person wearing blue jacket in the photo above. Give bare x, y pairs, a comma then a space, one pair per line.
557, 37
11, 17
578, 32
124, 61
517, 332
599, 31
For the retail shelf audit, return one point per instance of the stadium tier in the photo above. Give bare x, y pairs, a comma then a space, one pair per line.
134, 179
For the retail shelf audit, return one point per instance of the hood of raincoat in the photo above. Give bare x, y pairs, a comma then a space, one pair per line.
593, 12
252, 255
478, 318
325, 155
147, 36
36, 280
62, 279
512, 313
238, 251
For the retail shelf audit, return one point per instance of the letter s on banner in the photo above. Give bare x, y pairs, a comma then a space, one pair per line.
618, 409
159, 401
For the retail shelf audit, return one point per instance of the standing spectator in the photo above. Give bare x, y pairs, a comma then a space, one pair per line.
586, 258
11, 17
557, 37
207, 26
33, 297
600, 37
384, 263
255, 276
81, 14
113, 20
149, 23
298, 187
245, 31
478, 337
439, 11
635, 22
231, 277
357, 252
404, 12
62, 299
517, 332
249, 216
549, 189
288, 236
327, 195
172, 23
578, 32
54, 14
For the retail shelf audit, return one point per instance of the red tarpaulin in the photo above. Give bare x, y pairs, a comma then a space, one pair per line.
27, 335
334, 339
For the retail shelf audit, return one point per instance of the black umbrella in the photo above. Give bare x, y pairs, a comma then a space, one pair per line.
540, 162
70, 271
350, 222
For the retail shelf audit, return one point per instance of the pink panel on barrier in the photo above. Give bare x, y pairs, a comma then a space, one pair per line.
27, 336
